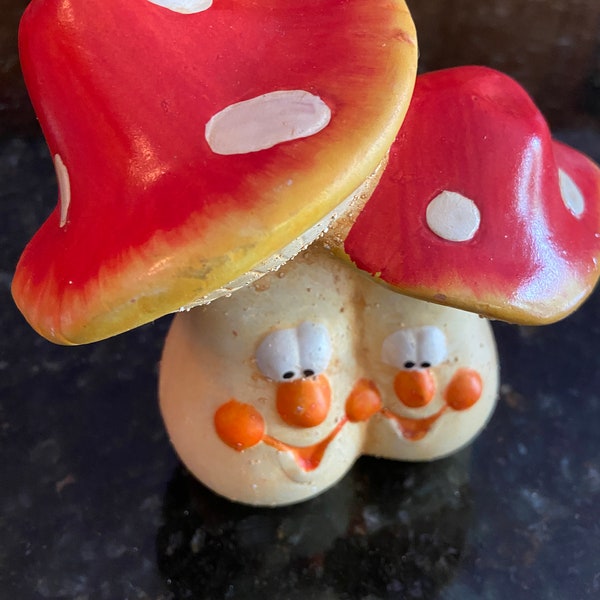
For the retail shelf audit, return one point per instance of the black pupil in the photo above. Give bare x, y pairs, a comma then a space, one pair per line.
308, 373
288, 374
409, 364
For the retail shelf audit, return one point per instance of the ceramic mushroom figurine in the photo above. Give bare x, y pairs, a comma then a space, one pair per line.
198, 148
270, 395
478, 209
213, 143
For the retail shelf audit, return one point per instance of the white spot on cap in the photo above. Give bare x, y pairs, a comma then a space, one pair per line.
185, 7
453, 217
571, 194
265, 121
64, 188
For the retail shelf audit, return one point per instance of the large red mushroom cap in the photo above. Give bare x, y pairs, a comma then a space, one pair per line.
479, 208
194, 140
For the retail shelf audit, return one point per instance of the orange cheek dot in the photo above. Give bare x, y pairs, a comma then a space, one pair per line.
363, 402
239, 425
304, 402
415, 388
464, 389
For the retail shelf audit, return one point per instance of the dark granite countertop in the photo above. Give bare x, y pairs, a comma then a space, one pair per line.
95, 505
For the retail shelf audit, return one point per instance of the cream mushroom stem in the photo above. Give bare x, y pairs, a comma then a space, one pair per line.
270, 395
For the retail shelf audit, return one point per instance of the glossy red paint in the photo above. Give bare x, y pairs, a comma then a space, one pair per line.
476, 132
123, 91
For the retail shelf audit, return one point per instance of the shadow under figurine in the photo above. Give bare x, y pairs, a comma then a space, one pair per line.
401, 526
331, 287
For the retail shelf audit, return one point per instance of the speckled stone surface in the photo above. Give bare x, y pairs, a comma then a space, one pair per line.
94, 504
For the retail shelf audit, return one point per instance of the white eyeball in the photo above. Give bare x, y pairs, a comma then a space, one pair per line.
314, 346
288, 354
418, 348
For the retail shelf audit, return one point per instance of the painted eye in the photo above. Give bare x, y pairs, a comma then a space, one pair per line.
418, 348
315, 348
289, 354
278, 356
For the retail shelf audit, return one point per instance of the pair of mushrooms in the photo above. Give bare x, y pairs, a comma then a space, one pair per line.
329, 247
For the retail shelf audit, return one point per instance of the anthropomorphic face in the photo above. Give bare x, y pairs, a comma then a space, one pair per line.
270, 395
436, 370
253, 387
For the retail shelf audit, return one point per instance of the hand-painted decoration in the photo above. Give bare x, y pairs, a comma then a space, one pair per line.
184, 7
288, 408
496, 217
251, 167
199, 145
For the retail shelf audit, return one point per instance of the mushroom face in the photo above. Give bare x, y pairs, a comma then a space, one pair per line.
195, 141
246, 356
479, 208
436, 369
269, 396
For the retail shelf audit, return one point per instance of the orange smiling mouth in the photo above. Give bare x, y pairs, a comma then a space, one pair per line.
416, 389
241, 426
308, 458
413, 429
301, 403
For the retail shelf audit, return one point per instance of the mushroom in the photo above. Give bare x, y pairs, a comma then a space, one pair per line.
198, 145
230, 382
479, 208
270, 395
410, 378
213, 168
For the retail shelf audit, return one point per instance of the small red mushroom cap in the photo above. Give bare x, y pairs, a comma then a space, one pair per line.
479, 208
194, 140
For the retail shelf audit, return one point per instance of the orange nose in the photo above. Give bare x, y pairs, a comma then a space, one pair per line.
304, 402
415, 388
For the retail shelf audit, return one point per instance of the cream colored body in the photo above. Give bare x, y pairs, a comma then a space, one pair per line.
209, 359
470, 344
